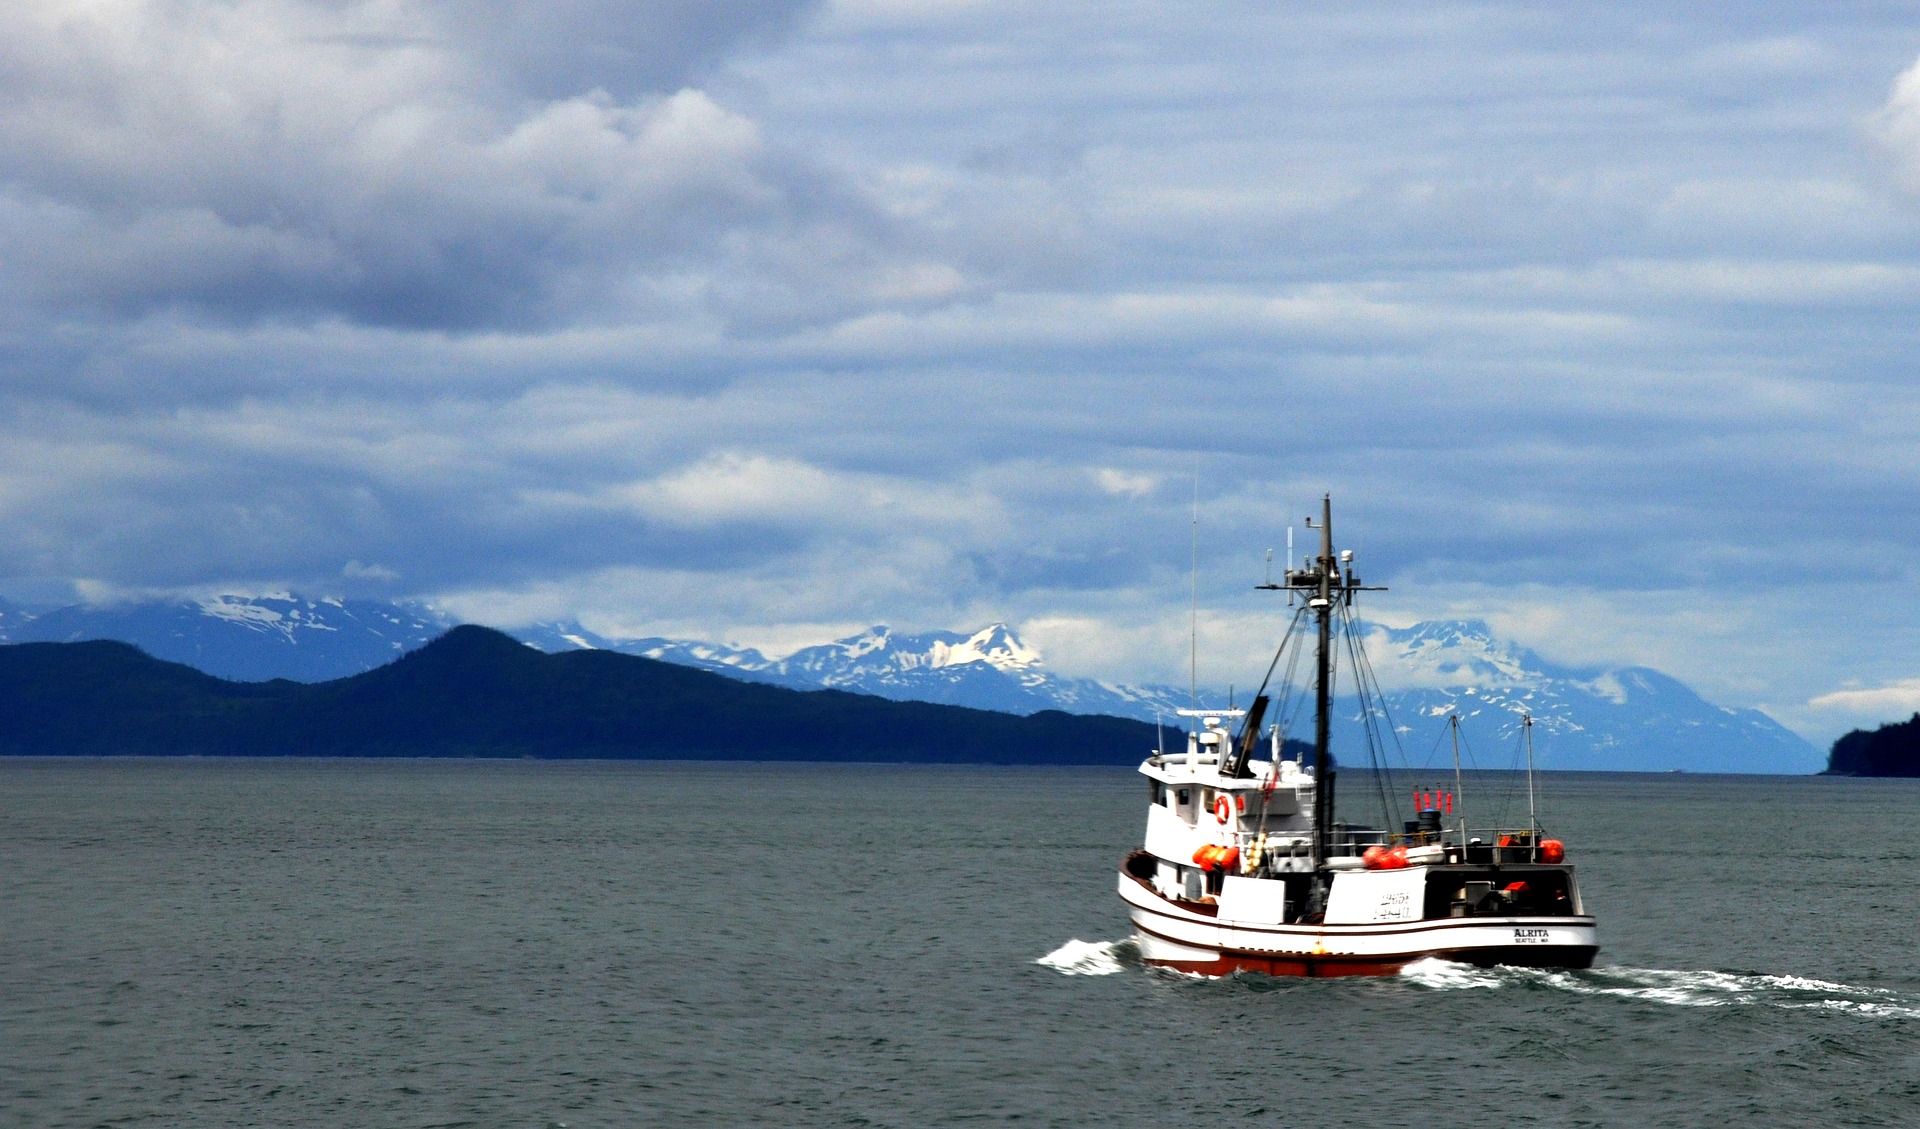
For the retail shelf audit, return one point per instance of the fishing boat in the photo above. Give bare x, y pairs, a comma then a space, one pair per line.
1245, 866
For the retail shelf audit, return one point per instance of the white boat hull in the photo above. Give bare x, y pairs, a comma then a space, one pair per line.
1183, 936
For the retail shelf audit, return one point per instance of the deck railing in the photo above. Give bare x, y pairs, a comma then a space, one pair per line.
1473, 844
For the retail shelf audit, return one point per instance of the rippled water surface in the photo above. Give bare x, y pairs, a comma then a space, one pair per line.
295, 943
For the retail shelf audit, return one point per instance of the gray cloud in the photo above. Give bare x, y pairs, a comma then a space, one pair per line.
405, 165
766, 322
558, 49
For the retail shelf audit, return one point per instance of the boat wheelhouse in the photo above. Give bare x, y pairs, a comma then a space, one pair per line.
1244, 867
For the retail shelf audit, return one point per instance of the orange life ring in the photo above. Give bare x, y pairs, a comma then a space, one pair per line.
1222, 808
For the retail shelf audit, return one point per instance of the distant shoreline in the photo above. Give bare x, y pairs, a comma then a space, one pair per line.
1888, 752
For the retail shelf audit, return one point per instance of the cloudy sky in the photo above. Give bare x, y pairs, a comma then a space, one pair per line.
1598, 322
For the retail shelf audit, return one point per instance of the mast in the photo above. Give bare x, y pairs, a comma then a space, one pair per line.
1322, 604
1323, 581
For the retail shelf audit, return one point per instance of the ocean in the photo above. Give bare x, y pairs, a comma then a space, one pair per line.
340, 943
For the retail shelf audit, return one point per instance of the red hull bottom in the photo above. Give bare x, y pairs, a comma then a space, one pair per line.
1273, 965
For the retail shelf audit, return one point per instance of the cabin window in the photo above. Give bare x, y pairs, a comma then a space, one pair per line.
1186, 796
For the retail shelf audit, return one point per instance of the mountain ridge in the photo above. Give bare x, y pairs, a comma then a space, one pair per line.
476, 692
245, 638
1597, 717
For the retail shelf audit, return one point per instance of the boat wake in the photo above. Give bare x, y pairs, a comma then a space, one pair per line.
1089, 958
1671, 986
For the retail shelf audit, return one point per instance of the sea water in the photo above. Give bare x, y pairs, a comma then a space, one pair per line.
380, 943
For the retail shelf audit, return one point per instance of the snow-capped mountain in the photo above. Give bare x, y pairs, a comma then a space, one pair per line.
1628, 718
247, 638
987, 669
1612, 718
1624, 718
12, 615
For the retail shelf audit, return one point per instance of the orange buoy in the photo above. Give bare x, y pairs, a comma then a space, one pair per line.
1371, 857
1552, 850
1213, 857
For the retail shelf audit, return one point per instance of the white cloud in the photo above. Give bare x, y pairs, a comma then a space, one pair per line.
1126, 484
1898, 124
1866, 707
1144, 640
354, 570
735, 487
1887, 701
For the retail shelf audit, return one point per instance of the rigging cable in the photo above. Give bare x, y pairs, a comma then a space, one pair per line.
1365, 675
1290, 704
1284, 640
1376, 748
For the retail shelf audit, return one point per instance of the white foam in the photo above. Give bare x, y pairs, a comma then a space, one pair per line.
1084, 958
1860, 1007
1675, 987
1432, 972
1803, 984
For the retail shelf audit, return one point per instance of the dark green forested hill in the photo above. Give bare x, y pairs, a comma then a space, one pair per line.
1891, 750
477, 692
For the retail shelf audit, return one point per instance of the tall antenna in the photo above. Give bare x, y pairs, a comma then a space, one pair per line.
1193, 620
1459, 792
1533, 821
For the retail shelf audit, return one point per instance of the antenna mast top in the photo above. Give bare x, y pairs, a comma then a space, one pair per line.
1324, 580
